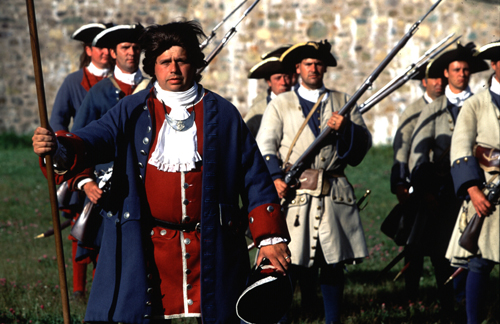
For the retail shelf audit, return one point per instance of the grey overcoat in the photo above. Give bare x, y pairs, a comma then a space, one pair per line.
333, 219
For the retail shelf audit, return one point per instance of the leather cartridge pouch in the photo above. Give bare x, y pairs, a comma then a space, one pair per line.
312, 182
488, 158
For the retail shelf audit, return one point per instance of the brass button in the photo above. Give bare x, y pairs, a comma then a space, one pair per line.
187, 241
333, 197
293, 201
150, 290
143, 152
270, 209
145, 140
317, 217
186, 186
341, 199
141, 165
316, 227
110, 214
186, 219
189, 286
451, 128
250, 220
268, 158
323, 159
190, 302
185, 201
187, 255
187, 271
163, 232
458, 161
318, 208
148, 303
126, 215
465, 159
145, 107
349, 199
148, 130
313, 247
152, 232
450, 120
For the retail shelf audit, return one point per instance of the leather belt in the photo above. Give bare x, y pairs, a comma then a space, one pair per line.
335, 174
188, 227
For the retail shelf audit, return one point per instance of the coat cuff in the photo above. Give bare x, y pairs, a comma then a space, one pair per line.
73, 146
274, 166
353, 143
267, 221
466, 173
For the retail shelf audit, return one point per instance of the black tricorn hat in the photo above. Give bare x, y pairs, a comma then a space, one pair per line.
421, 72
268, 67
317, 50
88, 32
489, 51
268, 296
275, 53
465, 53
118, 34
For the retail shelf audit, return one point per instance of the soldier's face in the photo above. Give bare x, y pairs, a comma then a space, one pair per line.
98, 56
173, 70
127, 56
458, 75
280, 82
434, 86
311, 72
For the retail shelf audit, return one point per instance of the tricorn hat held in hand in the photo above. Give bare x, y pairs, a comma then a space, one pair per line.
88, 32
465, 53
113, 36
489, 51
268, 295
316, 50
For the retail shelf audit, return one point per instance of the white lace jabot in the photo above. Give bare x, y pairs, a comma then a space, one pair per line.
177, 150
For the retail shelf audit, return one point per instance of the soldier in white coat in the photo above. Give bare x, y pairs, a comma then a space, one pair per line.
323, 220
475, 141
430, 167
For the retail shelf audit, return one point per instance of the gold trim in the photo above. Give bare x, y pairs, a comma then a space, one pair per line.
258, 65
288, 51
486, 47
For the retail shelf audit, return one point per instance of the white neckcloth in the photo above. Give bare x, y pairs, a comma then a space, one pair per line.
312, 95
97, 71
457, 98
428, 98
128, 78
495, 86
175, 150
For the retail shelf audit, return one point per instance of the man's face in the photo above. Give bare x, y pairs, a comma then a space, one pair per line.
279, 83
311, 72
458, 75
496, 67
127, 56
173, 70
434, 87
98, 56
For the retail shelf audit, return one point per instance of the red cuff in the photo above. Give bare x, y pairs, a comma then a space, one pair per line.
78, 146
87, 173
267, 221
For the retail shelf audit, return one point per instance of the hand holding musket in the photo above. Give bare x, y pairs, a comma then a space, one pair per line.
291, 177
226, 38
212, 34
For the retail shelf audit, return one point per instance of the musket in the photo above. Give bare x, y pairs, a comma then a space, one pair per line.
410, 72
44, 121
50, 231
212, 34
291, 177
227, 38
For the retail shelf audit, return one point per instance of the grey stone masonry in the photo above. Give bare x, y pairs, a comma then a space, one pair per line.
362, 33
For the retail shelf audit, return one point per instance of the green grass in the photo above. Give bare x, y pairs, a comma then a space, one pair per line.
29, 284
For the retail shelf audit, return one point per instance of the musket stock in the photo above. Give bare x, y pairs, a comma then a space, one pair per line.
291, 177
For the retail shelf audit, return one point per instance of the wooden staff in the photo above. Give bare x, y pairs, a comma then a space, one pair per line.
37, 66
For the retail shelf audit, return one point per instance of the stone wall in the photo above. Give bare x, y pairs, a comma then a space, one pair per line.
362, 33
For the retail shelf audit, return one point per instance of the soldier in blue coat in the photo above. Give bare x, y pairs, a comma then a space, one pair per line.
94, 66
183, 157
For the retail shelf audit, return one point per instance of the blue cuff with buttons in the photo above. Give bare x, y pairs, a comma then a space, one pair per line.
274, 166
466, 173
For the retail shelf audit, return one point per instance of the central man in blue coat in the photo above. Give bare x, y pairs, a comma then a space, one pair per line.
173, 244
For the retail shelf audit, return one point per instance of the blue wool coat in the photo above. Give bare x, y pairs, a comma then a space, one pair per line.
232, 166
68, 99
101, 97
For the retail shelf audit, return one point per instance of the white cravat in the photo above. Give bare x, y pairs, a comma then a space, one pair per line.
97, 71
175, 150
495, 86
312, 95
128, 78
457, 98
428, 98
